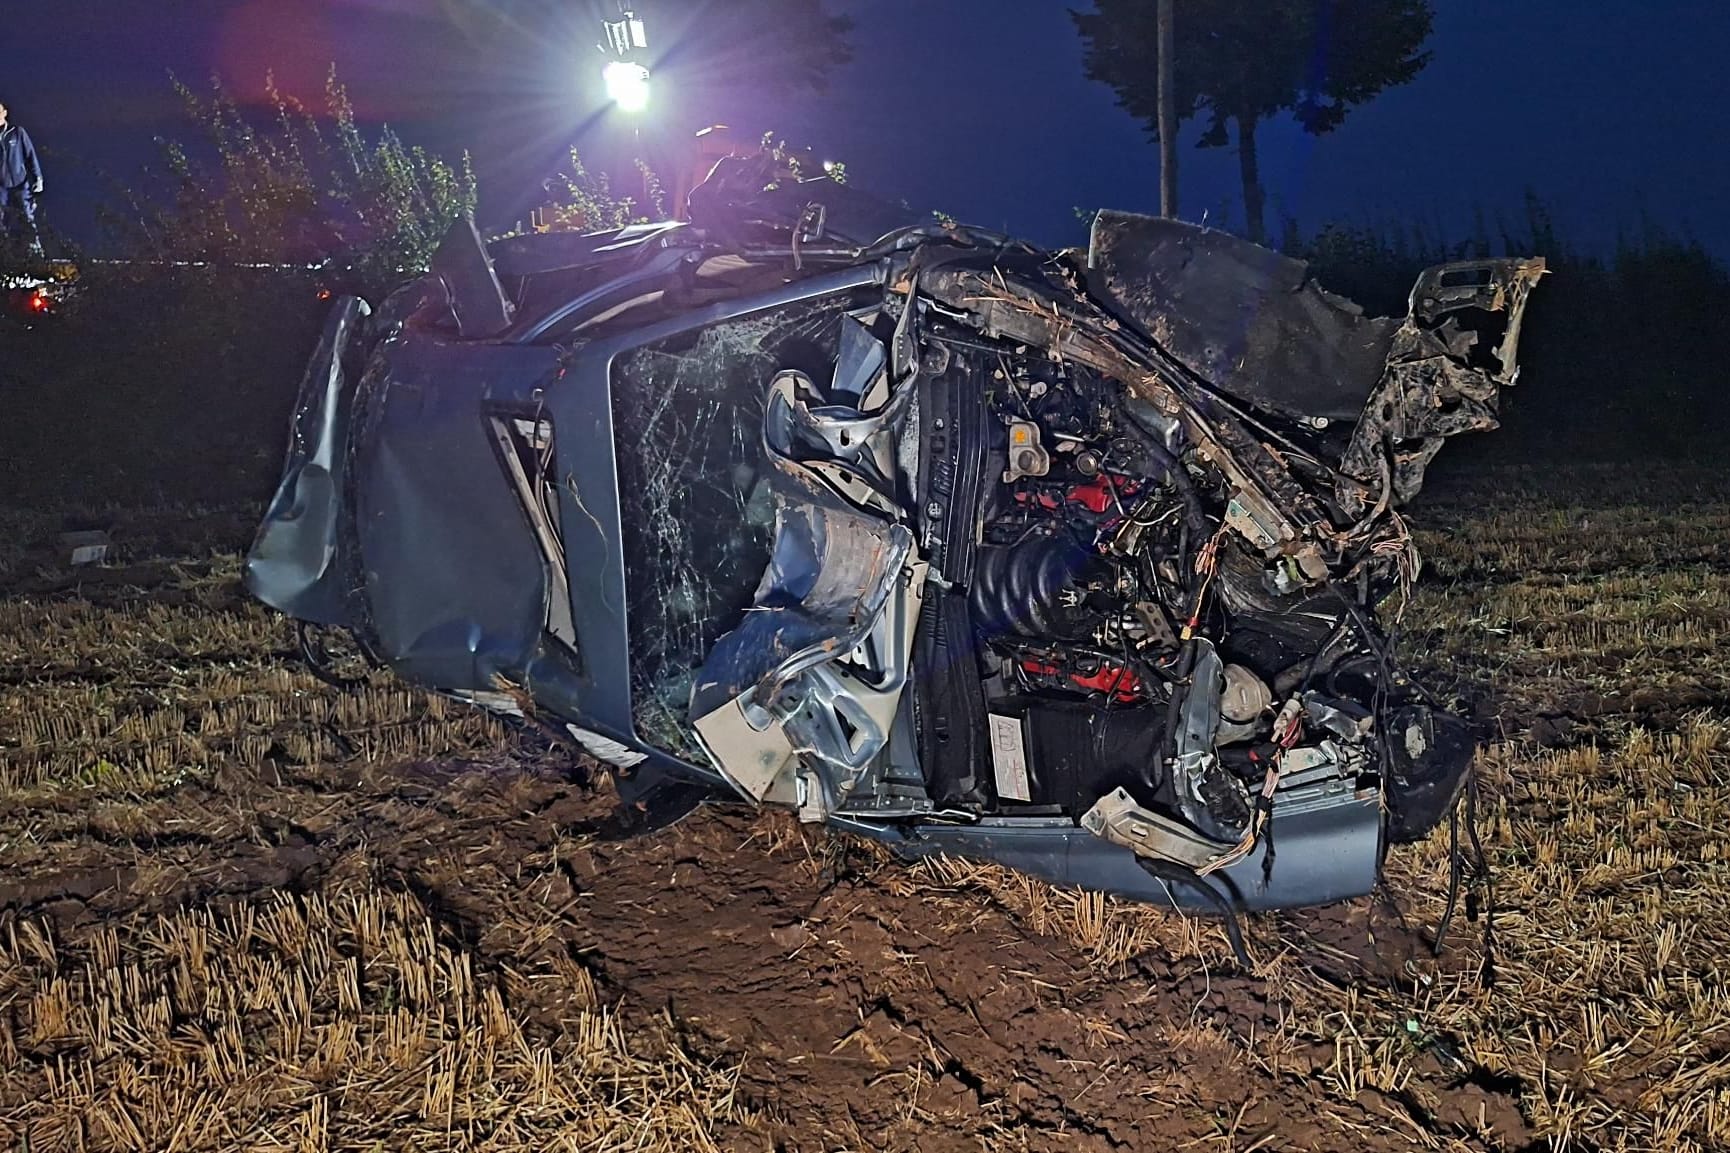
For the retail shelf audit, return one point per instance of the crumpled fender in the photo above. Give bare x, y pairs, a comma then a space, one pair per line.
292, 565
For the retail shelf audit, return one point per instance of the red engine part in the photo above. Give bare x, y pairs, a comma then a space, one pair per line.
1112, 680
1042, 499
1095, 495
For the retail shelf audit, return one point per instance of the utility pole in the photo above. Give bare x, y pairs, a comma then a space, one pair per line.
1167, 115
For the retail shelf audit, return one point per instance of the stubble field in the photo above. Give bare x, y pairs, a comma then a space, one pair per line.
241, 909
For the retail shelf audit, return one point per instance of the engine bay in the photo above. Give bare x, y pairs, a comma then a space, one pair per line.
1104, 594
1146, 608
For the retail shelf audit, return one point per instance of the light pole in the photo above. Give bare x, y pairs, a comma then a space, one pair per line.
625, 75
1167, 112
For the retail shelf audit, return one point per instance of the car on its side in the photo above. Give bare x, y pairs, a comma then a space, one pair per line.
1068, 560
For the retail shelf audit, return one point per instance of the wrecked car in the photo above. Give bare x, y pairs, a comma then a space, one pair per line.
1066, 560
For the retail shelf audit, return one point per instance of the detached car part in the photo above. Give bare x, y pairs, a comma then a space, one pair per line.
1065, 560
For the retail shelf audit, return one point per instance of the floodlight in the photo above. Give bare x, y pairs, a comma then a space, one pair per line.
627, 84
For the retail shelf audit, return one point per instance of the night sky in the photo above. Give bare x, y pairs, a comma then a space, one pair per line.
1613, 113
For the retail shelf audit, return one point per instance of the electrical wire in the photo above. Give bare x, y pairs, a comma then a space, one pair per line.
1455, 869
1206, 562
1285, 739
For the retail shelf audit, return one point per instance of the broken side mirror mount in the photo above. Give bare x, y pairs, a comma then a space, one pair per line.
471, 285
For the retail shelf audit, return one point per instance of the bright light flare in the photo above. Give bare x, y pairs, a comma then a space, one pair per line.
627, 84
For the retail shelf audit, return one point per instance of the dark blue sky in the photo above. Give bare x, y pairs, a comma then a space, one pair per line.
1610, 112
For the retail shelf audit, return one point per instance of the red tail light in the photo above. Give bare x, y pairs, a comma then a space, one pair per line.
38, 301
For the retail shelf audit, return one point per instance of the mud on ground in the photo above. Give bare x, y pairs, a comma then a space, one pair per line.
239, 909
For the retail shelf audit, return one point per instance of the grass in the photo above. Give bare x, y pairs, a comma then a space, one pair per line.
138, 688
136, 706
318, 1022
243, 910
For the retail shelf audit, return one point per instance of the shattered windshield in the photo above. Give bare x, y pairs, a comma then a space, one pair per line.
694, 495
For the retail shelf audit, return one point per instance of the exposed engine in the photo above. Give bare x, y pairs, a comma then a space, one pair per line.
1141, 656
1080, 539
1129, 599
1083, 592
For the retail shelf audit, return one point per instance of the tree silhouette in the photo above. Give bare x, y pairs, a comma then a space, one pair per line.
1240, 62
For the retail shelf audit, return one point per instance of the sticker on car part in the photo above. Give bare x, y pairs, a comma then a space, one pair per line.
1009, 759
606, 749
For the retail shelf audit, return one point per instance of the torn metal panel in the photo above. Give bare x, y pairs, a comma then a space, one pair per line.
810, 682
1119, 819
1248, 320
1435, 384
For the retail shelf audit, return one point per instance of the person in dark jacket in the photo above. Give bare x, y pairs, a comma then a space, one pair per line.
20, 183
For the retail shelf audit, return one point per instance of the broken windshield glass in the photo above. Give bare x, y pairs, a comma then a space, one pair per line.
694, 494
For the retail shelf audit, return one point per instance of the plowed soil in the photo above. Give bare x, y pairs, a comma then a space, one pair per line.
241, 909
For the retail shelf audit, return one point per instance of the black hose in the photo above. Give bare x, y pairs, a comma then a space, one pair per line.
1187, 577
1194, 514
1177, 875
318, 662
1380, 651
1455, 869
1315, 664
1481, 875
1148, 671
1264, 814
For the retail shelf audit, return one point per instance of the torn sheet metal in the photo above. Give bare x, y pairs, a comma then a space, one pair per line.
1435, 383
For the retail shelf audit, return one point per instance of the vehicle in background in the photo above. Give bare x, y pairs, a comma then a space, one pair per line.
37, 289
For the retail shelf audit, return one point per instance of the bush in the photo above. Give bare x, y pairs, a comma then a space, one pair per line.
172, 376
291, 190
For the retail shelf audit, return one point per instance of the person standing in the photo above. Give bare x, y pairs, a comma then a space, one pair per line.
20, 183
